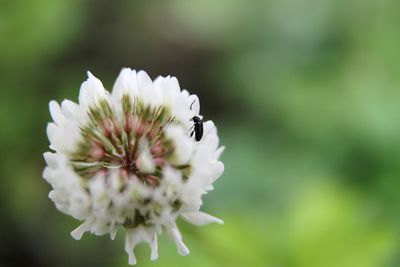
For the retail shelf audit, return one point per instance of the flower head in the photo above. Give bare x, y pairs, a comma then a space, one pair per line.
128, 160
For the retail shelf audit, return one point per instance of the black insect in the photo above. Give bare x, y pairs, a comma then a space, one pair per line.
198, 126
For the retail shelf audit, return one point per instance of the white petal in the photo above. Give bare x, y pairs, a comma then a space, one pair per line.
182, 142
84, 227
113, 232
210, 187
175, 235
48, 175
174, 85
200, 218
58, 197
52, 159
80, 203
100, 227
145, 160
172, 177
114, 180
96, 84
91, 91
56, 113
146, 90
62, 207
129, 246
65, 138
126, 83
209, 128
182, 110
169, 89
97, 186
144, 80
217, 168
72, 111
154, 247
54, 137
219, 152
137, 235
121, 83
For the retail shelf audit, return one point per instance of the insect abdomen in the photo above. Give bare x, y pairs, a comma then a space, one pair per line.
198, 129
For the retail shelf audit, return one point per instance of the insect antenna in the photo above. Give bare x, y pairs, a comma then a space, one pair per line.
191, 105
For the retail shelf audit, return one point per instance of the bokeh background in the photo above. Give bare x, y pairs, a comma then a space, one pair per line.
305, 95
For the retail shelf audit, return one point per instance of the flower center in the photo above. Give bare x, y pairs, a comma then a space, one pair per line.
133, 143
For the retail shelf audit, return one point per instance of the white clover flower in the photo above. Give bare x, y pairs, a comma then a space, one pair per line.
127, 159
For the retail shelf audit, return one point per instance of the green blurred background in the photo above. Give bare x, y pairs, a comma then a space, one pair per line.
305, 95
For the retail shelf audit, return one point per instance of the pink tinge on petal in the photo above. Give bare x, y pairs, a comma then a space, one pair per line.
123, 173
97, 152
139, 129
117, 130
156, 150
128, 123
107, 131
152, 180
159, 161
